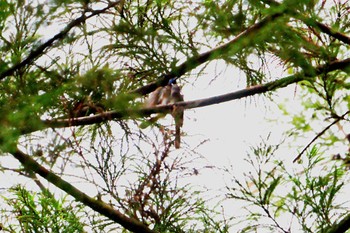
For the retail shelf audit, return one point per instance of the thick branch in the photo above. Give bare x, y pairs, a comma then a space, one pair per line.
59, 36
233, 46
32, 166
313, 23
112, 115
238, 43
250, 91
242, 40
329, 31
342, 226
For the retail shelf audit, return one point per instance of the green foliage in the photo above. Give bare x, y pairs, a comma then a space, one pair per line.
275, 192
41, 212
224, 18
313, 195
97, 56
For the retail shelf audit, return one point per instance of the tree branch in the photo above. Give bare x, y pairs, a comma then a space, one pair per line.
342, 226
312, 23
329, 31
128, 223
242, 40
233, 46
59, 36
250, 91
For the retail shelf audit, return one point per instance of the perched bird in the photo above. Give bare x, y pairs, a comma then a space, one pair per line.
169, 94
178, 112
159, 97
164, 97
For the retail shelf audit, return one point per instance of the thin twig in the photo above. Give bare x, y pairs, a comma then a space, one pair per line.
319, 135
59, 36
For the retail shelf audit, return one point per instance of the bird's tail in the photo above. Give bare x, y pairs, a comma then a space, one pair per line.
177, 136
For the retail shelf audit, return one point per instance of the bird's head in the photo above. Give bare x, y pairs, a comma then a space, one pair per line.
172, 81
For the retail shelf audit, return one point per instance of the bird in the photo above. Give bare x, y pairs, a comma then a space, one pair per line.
158, 97
169, 94
177, 112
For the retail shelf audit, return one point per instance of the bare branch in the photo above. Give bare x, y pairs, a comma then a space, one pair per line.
59, 36
32, 166
250, 91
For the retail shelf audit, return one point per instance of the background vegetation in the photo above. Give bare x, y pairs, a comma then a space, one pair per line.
74, 75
